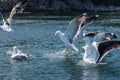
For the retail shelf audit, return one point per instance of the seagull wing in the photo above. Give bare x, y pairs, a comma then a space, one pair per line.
105, 47
110, 36
3, 16
77, 24
17, 8
73, 30
91, 33
90, 19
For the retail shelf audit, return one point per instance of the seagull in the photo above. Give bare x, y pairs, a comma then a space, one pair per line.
105, 36
18, 55
74, 28
7, 22
95, 52
100, 36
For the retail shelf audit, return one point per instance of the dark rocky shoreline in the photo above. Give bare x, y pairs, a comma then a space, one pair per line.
60, 5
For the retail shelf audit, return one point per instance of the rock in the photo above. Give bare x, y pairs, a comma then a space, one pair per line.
60, 5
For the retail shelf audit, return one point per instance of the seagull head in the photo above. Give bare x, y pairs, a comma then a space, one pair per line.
57, 33
14, 50
84, 33
14, 47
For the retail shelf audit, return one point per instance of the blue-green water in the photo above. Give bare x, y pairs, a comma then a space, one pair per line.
33, 34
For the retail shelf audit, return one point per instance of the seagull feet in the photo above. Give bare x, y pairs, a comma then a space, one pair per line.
64, 51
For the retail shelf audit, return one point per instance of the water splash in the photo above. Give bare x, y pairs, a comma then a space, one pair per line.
83, 63
54, 56
59, 55
14, 50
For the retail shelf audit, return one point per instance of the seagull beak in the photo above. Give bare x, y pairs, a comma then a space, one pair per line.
83, 47
55, 37
82, 41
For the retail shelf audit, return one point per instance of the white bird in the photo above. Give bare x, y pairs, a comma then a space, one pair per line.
74, 28
18, 55
7, 22
95, 52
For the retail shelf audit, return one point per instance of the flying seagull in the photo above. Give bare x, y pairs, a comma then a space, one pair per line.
95, 52
18, 55
7, 22
74, 28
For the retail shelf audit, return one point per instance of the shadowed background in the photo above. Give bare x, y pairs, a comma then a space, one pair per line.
64, 5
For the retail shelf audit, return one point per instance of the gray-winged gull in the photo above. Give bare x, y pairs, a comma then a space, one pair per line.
100, 36
74, 28
95, 52
7, 22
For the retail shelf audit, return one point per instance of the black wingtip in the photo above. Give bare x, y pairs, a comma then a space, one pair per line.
115, 36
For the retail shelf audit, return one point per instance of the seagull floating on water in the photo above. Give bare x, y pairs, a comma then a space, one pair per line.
18, 55
7, 22
95, 52
74, 28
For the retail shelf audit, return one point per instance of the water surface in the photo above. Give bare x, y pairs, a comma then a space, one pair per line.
33, 34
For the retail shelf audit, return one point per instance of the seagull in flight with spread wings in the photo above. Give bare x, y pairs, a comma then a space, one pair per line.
74, 28
7, 21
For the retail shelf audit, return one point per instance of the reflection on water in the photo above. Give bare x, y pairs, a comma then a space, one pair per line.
33, 34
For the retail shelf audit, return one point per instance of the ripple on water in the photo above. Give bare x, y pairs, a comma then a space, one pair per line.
34, 35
